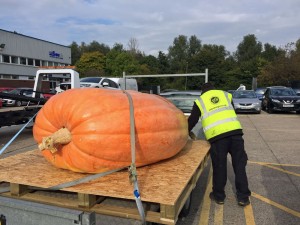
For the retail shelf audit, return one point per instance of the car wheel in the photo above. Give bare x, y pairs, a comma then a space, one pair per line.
269, 109
18, 103
298, 112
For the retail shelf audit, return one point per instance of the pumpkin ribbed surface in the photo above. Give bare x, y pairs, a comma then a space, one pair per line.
98, 121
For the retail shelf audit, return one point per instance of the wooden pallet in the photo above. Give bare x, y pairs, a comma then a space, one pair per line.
167, 184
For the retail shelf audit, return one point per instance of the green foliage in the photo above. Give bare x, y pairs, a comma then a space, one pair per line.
119, 62
91, 64
284, 68
271, 65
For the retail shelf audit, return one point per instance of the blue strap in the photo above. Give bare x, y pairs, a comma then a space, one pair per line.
16, 135
84, 179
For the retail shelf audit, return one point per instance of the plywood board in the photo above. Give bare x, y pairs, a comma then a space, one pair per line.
161, 182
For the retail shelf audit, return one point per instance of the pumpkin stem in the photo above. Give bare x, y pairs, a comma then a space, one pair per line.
60, 137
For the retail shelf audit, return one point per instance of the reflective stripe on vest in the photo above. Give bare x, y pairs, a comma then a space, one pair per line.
219, 120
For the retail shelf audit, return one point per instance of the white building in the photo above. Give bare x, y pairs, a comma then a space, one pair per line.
21, 56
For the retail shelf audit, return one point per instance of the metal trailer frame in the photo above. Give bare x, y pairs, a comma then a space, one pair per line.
205, 74
16, 211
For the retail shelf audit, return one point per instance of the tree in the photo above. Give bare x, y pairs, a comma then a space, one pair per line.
91, 64
163, 63
211, 57
94, 46
248, 56
120, 62
133, 46
284, 68
248, 49
75, 53
270, 52
178, 54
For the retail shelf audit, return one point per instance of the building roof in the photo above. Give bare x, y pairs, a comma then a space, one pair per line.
16, 33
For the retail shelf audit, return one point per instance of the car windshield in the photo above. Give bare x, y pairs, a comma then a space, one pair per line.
91, 79
283, 92
185, 104
260, 91
244, 94
14, 92
27, 92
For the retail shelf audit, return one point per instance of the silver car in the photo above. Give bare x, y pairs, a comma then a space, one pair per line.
184, 100
246, 101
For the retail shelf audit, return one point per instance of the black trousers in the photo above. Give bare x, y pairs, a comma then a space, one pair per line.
218, 153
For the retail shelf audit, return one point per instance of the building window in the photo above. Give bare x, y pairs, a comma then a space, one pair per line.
44, 63
15, 77
23, 61
37, 62
50, 63
30, 62
14, 60
5, 58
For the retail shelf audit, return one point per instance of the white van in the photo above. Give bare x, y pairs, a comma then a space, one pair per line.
97, 82
63, 87
131, 84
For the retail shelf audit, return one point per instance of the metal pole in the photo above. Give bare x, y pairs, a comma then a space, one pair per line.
206, 75
124, 78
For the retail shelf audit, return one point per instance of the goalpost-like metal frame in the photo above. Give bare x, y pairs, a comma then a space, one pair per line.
168, 75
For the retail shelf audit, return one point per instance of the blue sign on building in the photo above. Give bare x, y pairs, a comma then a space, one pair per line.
56, 55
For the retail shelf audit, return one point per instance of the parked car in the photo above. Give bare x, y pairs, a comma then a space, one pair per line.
98, 82
6, 89
246, 101
184, 100
18, 91
49, 94
297, 90
1, 104
63, 87
231, 91
279, 98
260, 92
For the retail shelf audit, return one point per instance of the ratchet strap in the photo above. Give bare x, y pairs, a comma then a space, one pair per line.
132, 168
16, 135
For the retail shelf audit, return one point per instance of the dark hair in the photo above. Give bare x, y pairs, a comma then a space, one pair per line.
207, 87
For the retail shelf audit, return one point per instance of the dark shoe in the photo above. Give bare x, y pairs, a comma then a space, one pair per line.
212, 197
243, 202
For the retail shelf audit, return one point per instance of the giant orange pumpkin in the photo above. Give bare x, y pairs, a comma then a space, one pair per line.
96, 124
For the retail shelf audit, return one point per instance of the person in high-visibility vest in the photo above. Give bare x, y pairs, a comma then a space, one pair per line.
224, 132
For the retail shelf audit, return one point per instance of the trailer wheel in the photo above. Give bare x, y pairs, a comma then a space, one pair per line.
186, 207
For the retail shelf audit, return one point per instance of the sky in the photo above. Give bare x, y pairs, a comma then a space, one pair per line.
154, 24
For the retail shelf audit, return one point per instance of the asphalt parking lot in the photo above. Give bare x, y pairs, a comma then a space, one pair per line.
272, 143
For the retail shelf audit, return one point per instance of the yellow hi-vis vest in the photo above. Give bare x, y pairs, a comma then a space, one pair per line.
217, 113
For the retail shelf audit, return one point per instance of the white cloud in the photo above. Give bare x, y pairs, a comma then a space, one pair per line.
154, 23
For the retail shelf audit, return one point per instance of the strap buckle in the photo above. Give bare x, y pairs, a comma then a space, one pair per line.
132, 173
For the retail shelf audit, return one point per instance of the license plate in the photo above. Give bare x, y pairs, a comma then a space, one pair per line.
245, 107
289, 105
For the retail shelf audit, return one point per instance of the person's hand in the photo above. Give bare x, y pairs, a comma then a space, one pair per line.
192, 136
